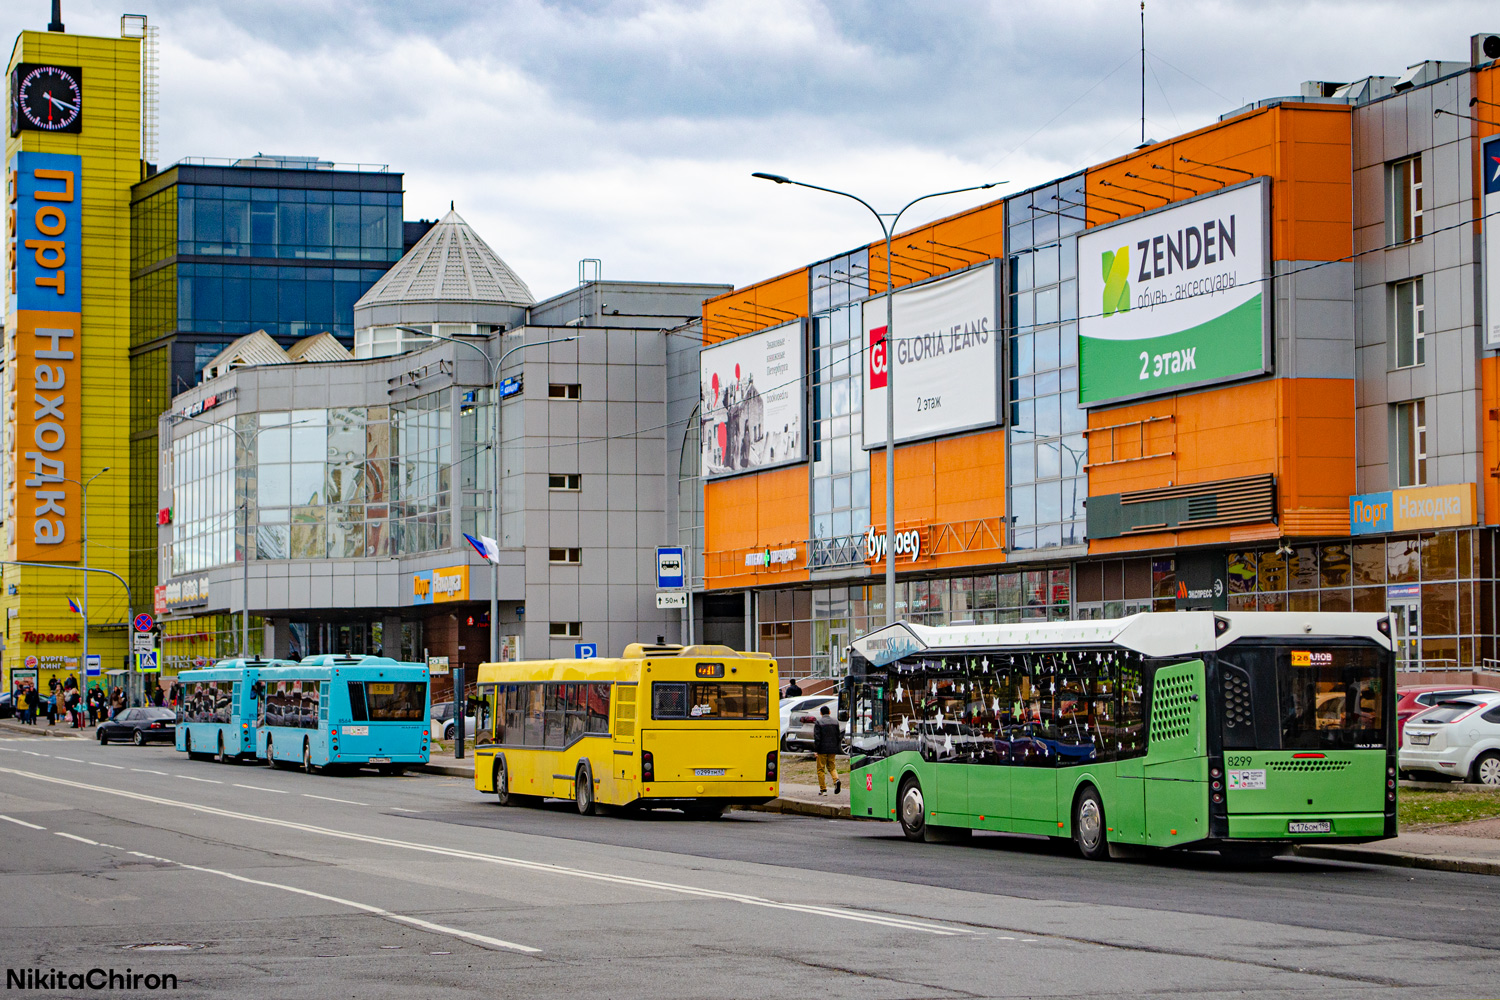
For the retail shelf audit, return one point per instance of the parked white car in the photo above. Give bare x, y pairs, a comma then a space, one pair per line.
442, 721
1458, 738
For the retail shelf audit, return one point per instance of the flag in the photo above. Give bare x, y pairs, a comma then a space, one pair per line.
487, 548
74, 607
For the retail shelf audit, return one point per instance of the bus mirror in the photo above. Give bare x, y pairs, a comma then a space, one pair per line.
843, 716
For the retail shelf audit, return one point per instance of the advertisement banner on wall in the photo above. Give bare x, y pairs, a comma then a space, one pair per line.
1414, 508
1489, 160
944, 358
438, 586
1176, 298
45, 283
751, 399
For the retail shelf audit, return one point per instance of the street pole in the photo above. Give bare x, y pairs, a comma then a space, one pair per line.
887, 229
494, 381
86, 570
83, 668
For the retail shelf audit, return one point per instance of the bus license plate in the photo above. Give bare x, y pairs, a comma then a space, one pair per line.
380, 760
1421, 739
356, 730
708, 772
1310, 826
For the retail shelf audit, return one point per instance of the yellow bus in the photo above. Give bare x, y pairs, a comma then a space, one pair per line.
686, 727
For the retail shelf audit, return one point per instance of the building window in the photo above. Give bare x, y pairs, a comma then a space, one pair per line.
565, 630
569, 481
1404, 189
1409, 321
565, 557
1411, 443
564, 390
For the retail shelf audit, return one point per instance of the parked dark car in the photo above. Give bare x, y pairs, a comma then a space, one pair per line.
140, 725
7, 705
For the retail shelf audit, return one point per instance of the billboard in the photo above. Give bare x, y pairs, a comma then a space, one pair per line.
751, 400
46, 289
944, 357
1176, 298
1489, 166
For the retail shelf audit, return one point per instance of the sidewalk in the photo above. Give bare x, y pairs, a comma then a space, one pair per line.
1453, 852
42, 729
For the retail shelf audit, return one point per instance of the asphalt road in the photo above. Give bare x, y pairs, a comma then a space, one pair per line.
247, 882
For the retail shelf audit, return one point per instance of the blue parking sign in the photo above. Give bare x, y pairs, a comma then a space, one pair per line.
585, 650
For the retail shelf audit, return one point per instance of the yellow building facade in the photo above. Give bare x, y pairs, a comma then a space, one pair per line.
58, 207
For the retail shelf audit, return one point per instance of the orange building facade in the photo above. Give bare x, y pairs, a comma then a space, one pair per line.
1243, 368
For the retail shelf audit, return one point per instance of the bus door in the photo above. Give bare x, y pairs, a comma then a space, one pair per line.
1176, 795
1406, 631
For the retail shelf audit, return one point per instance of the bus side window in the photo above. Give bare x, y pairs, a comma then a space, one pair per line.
357, 711
598, 707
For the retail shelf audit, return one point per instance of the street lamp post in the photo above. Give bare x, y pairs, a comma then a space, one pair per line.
83, 668
887, 228
494, 383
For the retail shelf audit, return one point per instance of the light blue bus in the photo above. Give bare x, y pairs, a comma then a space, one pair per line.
343, 711
216, 714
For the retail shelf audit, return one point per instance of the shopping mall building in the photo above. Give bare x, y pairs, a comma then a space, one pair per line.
1247, 367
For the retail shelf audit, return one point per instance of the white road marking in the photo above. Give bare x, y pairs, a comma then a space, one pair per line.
835, 912
400, 810
209, 781
71, 836
35, 754
73, 759
22, 822
117, 767
147, 770
325, 798
258, 788
10, 749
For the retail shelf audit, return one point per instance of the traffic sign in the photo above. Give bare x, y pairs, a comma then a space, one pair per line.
147, 662
144, 622
585, 650
669, 571
142, 641
92, 665
671, 599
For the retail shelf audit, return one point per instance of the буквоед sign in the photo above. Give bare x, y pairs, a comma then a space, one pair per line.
1175, 298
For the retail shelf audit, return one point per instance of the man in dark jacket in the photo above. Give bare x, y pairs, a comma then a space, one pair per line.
826, 744
792, 690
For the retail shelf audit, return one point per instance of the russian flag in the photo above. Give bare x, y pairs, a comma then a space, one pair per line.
74, 607
488, 548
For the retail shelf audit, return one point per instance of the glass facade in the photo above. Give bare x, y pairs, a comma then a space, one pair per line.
840, 486
337, 483
1048, 451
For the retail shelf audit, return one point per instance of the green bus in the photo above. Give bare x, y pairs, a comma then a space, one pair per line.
1241, 732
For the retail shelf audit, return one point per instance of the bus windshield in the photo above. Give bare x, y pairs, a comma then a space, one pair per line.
1326, 697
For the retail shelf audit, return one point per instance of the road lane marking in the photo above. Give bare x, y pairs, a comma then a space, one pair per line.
22, 822
207, 781
325, 798
96, 763
35, 754
74, 836
147, 770
400, 810
73, 759
258, 788
839, 913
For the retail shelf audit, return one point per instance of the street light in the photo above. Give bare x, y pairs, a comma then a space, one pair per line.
83, 670
888, 228
494, 382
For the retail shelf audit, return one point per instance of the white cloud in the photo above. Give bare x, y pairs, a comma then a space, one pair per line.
627, 130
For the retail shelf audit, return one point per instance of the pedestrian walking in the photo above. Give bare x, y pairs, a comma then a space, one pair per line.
96, 705
24, 704
792, 690
826, 744
52, 707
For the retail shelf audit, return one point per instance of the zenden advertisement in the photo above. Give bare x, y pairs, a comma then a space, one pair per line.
1175, 298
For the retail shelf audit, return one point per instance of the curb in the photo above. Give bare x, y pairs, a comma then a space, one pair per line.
797, 807
1398, 859
447, 770
40, 731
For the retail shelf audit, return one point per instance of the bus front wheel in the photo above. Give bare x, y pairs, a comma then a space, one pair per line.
911, 809
1088, 825
502, 783
583, 791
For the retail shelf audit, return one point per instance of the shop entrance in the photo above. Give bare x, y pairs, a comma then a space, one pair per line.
1406, 626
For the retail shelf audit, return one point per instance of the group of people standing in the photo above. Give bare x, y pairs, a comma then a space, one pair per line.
65, 701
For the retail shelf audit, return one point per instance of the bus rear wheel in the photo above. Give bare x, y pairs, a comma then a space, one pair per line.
222, 757
270, 755
911, 809
307, 764
583, 791
1088, 826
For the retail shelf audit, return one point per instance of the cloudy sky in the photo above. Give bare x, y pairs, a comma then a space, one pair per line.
627, 130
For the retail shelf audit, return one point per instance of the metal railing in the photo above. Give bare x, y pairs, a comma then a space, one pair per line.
836, 553
279, 163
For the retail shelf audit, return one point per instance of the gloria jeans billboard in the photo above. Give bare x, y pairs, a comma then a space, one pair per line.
1175, 298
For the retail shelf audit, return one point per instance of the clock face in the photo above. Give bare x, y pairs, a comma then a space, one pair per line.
46, 99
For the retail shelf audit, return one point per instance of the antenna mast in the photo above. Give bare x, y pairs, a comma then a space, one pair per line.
1143, 72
